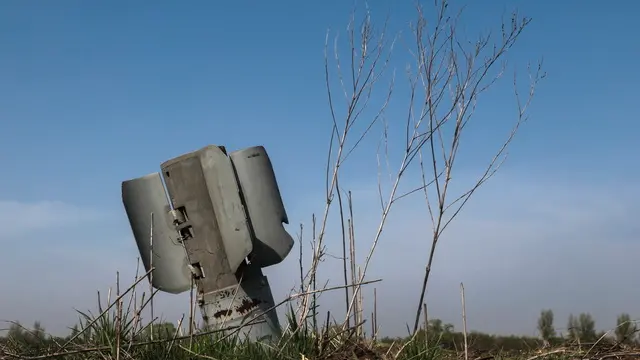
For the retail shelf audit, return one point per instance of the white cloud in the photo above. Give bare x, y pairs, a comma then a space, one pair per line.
17, 217
54, 260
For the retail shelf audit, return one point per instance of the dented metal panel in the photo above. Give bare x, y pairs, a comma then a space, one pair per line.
227, 205
264, 205
142, 197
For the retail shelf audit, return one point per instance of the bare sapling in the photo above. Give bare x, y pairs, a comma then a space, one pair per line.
448, 75
452, 73
368, 60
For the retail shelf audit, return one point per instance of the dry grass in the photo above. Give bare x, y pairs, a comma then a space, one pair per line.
118, 331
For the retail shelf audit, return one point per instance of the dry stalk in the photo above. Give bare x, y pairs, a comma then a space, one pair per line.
426, 326
344, 247
406, 343
102, 313
359, 329
233, 299
132, 298
314, 283
175, 336
143, 306
118, 316
352, 252
367, 65
151, 273
374, 316
543, 355
136, 319
301, 268
303, 308
300, 258
290, 298
464, 323
192, 310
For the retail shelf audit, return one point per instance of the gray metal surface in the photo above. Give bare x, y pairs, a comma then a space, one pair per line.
200, 230
224, 208
250, 302
141, 197
272, 243
227, 205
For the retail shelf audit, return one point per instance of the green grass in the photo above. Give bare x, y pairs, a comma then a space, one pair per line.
108, 337
117, 332
104, 342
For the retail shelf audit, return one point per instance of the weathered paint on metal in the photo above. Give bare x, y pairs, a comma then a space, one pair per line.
224, 193
201, 234
264, 206
141, 197
250, 302
224, 208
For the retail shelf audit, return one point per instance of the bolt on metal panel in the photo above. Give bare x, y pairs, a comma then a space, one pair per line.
264, 207
200, 232
145, 196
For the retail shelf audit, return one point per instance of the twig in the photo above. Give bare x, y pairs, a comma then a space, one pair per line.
118, 316
151, 273
375, 315
344, 248
175, 335
426, 326
192, 310
467, 80
103, 312
557, 351
464, 323
365, 72
352, 253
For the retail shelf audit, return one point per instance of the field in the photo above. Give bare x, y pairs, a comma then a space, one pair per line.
117, 331
106, 343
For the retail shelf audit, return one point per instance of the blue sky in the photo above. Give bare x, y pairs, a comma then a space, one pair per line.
95, 93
